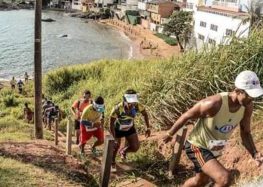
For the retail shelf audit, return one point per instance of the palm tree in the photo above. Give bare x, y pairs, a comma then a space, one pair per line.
254, 16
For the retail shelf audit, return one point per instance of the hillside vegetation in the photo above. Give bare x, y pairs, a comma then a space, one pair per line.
166, 87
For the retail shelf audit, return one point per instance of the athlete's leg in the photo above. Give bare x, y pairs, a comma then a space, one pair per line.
116, 148
132, 143
199, 180
99, 134
217, 172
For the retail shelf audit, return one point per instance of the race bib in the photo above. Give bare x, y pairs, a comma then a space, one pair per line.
89, 129
216, 146
126, 126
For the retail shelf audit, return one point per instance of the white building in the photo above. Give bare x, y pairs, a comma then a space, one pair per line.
218, 20
76, 5
142, 4
104, 3
132, 4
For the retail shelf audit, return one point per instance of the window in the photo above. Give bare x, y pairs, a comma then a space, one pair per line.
202, 24
190, 5
201, 37
211, 41
213, 27
229, 32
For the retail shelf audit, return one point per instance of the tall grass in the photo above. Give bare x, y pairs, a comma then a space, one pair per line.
166, 87
106, 78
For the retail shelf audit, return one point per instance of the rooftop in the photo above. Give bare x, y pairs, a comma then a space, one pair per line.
222, 12
159, 2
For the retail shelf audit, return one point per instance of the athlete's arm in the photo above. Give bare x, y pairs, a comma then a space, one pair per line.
146, 118
112, 121
73, 109
207, 107
113, 118
245, 131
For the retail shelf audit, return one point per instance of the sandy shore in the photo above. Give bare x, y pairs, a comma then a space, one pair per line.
144, 43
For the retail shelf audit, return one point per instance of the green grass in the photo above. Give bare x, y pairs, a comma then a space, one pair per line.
169, 40
166, 87
16, 173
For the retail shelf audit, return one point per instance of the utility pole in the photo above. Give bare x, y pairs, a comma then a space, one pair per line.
38, 71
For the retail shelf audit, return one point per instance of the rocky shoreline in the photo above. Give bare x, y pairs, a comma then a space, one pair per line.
106, 14
15, 6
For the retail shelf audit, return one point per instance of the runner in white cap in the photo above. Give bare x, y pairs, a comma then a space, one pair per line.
122, 124
218, 116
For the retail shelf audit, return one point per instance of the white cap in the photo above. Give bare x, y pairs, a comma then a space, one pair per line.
249, 82
131, 98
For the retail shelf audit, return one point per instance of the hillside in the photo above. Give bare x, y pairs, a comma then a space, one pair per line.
166, 87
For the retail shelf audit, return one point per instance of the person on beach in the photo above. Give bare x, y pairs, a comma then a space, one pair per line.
26, 76
20, 85
28, 113
77, 108
218, 116
13, 83
91, 125
122, 125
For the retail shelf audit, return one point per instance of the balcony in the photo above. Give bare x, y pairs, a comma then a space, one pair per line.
226, 5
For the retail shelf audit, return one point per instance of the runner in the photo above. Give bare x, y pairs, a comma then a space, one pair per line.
77, 109
91, 124
122, 124
26, 77
218, 116
46, 104
28, 113
20, 85
51, 113
13, 83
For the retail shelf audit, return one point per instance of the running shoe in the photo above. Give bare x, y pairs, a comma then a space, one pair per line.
123, 154
113, 167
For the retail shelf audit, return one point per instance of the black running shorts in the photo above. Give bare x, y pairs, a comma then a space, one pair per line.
198, 156
120, 134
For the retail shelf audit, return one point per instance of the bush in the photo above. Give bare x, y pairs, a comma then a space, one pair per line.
167, 39
18, 113
63, 125
171, 41
10, 101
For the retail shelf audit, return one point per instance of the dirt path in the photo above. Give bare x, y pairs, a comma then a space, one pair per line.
43, 154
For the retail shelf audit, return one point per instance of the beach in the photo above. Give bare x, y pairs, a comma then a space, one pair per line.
144, 43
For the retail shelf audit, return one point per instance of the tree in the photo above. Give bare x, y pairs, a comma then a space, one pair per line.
254, 16
180, 25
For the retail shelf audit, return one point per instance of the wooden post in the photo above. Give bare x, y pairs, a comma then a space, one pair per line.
177, 151
56, 131
106, 161
38, 71
69, 138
